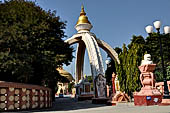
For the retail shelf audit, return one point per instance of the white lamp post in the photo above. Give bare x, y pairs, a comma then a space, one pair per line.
157, 24
149, 30
166, 29
107, 61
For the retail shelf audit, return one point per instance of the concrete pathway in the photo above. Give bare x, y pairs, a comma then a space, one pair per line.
68, 105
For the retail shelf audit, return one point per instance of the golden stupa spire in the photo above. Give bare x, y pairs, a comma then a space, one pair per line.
82, 11
83, 18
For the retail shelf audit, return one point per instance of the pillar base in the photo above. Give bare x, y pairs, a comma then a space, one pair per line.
99, 100
165, 102
111, 103
85, 97
143, 100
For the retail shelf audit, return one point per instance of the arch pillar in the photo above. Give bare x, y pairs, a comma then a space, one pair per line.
80, 60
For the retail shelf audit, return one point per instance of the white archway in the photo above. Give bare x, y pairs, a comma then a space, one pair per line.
83, 43
88, 40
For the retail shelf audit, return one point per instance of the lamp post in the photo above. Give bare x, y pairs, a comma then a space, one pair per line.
107, 61
149, 30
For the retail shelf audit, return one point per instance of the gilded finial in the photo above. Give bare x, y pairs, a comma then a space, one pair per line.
83, 18
82, 7
82, 11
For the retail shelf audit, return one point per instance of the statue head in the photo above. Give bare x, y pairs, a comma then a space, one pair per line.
113, 75
100, 76
147, 60
147, 57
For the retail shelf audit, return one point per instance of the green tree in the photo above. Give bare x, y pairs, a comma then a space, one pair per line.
31, 45
153, 48
130, 59
136, 50
121, 68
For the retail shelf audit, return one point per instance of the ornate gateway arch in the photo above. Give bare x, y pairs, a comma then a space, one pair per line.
86, 39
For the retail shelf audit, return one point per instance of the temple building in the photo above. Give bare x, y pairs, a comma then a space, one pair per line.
63, 86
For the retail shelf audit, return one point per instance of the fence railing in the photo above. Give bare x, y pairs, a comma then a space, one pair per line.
18, 96
160, 86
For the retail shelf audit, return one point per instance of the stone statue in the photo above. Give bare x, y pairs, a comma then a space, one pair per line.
147, 60
100, 83
148, 84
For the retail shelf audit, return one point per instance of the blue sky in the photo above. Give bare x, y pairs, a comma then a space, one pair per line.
114, 21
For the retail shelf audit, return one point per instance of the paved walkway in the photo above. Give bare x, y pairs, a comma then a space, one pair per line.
68, 105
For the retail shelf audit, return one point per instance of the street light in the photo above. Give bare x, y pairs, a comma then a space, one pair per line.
107, 61
149, 30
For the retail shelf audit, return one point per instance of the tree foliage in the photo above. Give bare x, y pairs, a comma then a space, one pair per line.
130, 58
31, 45
121, 68
153, 48
132, 55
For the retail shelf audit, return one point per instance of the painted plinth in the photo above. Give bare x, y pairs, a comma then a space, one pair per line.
148, 95
142, 100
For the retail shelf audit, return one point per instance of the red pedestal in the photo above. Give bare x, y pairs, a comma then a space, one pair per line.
148, 95
142, 100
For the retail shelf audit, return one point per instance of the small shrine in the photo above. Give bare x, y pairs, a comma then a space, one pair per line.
63, 86
83, 89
